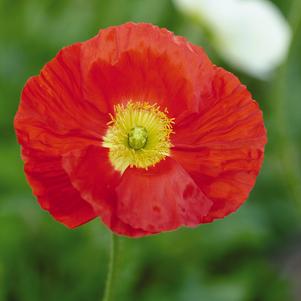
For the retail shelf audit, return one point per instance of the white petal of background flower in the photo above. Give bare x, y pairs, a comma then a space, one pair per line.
252, 35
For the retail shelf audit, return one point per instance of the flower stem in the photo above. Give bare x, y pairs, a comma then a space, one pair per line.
113, 267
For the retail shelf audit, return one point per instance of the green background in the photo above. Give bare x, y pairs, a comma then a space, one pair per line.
252, 255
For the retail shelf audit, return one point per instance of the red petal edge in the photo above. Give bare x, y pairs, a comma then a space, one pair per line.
143, 62
54, 191
93, 176
162, 198
222, 147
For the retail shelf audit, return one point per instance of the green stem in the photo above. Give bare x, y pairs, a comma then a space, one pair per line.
113, 267
287, 147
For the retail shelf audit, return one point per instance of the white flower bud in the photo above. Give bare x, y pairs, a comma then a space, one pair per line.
251, 35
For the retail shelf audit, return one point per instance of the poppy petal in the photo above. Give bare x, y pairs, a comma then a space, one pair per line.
142, 62
161, 198
53, 115
222, 147
93, 176
54, 191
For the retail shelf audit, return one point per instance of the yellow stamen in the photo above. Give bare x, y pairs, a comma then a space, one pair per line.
138, 135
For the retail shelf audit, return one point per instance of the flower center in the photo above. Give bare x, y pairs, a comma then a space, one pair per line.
138, 135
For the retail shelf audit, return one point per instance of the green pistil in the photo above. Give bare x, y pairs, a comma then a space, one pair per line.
137, 137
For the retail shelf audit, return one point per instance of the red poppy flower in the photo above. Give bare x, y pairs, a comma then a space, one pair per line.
138, 127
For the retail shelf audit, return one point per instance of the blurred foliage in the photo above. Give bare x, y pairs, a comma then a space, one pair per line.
244, 257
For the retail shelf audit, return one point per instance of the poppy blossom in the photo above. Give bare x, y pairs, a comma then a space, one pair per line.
138, 127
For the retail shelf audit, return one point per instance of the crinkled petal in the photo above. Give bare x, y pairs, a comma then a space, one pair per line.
162, 198
142, 62
93, 176
222, 148
54, 191
53, 115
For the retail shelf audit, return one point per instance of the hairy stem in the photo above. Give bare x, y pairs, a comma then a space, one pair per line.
113, 268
